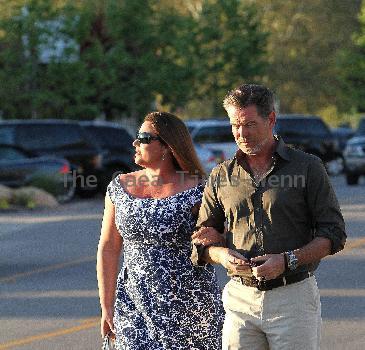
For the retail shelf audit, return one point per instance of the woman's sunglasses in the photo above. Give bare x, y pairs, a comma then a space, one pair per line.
146, 137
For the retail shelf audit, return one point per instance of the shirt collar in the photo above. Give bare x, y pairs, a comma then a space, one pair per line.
281, 148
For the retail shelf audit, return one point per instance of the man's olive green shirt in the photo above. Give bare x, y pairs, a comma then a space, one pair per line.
293, 204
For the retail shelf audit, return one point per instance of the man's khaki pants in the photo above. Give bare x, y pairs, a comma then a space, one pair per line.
284, 318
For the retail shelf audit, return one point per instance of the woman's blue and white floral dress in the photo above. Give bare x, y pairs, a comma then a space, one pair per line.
163, 302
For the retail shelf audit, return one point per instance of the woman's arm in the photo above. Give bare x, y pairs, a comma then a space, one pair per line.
107, 265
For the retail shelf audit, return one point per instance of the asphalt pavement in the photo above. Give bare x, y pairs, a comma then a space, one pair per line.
48, 289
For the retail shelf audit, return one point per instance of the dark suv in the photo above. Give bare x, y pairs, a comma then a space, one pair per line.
58, 138
310, 134
116, 144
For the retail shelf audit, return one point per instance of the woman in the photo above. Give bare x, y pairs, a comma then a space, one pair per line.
161, 301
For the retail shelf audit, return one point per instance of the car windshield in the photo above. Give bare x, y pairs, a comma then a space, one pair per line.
190, 128
44, 136
301, 126
110, 137
214, 134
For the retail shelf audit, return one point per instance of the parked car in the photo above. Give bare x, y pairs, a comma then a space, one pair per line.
343, 134
360, 131
310, 134
19, 168
213, 134
115, 143
58, 138
209, 158
354, 155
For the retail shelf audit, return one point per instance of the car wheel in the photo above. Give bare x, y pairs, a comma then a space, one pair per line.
68, 195
85, 190
110, 174
352, 179
335, 166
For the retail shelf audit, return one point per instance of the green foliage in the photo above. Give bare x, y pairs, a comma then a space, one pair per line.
4, 203
24, 200
124, 56
306, 39
230, 47
46, 183
351, 68
335, 118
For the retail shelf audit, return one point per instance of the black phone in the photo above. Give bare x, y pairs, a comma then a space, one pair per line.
256, 263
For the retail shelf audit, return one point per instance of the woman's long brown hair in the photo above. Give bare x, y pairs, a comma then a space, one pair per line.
176, 135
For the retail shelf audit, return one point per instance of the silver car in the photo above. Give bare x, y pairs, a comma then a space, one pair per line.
354, 155
213, 134
209, 157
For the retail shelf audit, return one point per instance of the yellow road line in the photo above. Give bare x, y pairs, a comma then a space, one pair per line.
91, 319
356, 243
14, 277
345, 293
86, 324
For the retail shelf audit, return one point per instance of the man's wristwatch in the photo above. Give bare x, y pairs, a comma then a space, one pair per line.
291, 260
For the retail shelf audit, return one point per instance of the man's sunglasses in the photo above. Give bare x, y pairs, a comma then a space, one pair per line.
146, 137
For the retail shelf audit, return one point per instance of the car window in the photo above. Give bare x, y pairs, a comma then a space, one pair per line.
45, 136
10, 153
110, 137
301, 127
214, 134
190, 128
7, 135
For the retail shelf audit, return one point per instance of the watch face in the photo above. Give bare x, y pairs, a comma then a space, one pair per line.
292, 261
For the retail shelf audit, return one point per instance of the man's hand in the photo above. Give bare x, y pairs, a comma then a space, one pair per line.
273, 266
207, 236
234, 262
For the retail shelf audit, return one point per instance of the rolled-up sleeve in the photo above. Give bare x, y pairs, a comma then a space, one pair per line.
211, 214
327, 219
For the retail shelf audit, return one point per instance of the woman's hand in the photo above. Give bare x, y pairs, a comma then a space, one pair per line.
106, 324
207, 236
234, 262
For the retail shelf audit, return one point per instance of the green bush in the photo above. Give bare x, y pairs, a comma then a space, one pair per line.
4, 203
24, 200
46, 183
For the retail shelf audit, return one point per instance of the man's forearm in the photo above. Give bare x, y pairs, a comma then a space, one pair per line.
212, 255
313, 251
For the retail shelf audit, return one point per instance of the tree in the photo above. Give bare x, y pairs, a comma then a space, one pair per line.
230, 48
306, 39
351, 68
42, 80
112, 58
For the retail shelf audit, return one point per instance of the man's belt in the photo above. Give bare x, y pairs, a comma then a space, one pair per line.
263, 284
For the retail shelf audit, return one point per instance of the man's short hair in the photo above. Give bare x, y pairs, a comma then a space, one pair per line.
251, 94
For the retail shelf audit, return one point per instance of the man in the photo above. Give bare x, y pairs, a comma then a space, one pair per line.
281, 217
